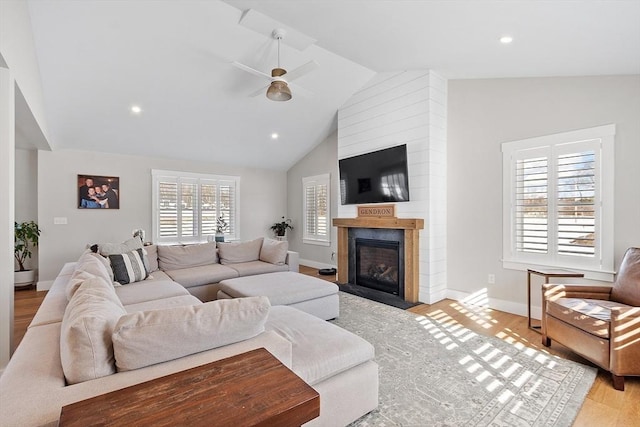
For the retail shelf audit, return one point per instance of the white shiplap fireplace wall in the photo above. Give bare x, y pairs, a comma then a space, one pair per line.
408, 107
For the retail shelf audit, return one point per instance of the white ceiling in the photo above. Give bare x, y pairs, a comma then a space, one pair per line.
97, 58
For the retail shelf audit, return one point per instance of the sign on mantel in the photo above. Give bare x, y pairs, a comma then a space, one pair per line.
377, 211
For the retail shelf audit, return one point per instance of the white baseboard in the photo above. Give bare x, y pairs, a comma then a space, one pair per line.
499, 304
315, 264
433, 298
44, 285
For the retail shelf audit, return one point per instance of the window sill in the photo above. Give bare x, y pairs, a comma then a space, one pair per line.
599, 275
316, 242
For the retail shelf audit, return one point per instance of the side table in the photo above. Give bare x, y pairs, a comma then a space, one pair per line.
547, 274
249, 389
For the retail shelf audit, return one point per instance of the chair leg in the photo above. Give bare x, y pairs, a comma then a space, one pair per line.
618, 382
546, 341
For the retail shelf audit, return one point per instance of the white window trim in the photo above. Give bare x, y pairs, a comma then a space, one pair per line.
155, 176
313, 240
605, 223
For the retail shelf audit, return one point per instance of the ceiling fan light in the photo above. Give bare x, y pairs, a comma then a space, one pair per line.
279, 91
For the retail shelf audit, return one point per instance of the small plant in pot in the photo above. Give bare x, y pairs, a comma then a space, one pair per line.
26, 235
221, 227
280, 228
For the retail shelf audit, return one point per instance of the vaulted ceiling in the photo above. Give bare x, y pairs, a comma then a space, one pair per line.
173, 59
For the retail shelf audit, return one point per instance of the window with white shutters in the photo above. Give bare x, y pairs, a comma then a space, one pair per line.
186, 206
316, 210
558, 202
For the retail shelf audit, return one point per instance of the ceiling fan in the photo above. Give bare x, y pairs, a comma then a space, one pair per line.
278, 89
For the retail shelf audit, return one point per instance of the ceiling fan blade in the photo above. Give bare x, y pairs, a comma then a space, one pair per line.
301, 71
261, 91
300, 91
250, 70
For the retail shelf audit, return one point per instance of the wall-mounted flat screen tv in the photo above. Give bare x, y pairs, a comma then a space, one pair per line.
377, 177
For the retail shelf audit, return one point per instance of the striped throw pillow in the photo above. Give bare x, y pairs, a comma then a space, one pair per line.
128, 267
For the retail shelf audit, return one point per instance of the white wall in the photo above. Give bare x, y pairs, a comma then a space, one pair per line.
483, 114
18, 50
7, 177
322, 159
262, 201
407, 108
26, 193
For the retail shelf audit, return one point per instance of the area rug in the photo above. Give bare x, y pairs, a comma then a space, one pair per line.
437, 373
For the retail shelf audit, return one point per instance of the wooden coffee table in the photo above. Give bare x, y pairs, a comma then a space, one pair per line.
250, 389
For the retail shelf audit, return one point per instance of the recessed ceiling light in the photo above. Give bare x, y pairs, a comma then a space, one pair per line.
506, 39
135, 109
274, 136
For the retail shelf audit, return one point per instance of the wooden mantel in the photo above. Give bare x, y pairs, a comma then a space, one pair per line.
411, 227
401, 223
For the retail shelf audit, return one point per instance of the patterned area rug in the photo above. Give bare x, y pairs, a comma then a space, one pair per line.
438, 373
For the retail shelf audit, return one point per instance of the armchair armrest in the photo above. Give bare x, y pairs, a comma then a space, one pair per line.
293, 261
625, 341
551, 291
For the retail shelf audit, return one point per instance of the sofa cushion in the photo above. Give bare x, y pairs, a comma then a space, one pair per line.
320, 349
145, 338
128, 267
626, 289
86, 350
235, 252
283, 288
590, 315
274, 251
177, 257
151, 252
163, 303
105, 261
204, 275
257, 267
149, 291
157, 275
88, 266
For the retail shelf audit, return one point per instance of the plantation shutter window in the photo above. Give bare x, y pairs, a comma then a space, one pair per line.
558, 202
167, 211
532, 205
187, 206
316, 209
576, 193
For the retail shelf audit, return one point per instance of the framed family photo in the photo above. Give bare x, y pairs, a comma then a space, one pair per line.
98, 192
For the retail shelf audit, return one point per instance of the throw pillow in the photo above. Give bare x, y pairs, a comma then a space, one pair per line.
236, 252
128, 267
86, 349
106, 249
178, 257
274, 251
145, 338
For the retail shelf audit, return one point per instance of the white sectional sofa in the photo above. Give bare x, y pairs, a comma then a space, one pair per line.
90, 337
200, 268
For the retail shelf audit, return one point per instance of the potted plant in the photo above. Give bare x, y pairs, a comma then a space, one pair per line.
26, 236
221, 227
280, 228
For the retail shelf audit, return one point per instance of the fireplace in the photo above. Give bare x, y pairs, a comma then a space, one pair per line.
405, 231
376, 260
378, 265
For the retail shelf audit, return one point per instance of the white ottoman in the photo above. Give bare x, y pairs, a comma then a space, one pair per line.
309, 294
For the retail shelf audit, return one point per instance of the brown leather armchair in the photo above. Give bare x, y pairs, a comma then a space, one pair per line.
600, 323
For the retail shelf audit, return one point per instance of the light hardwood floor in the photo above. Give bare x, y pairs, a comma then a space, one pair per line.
604, 406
